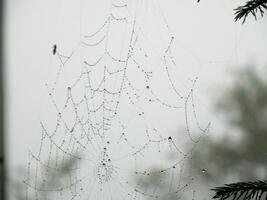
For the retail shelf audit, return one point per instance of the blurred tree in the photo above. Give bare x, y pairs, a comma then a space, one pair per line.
227, 157
155, 183
53, 178
2, 163
245, 108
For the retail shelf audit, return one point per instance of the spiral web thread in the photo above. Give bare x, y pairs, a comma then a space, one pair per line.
99, 142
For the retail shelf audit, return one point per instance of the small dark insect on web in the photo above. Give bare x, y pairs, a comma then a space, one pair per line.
54, 49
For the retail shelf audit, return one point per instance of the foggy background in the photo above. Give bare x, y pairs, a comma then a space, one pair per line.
208, 44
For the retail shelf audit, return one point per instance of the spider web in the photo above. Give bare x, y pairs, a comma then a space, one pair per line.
98, 141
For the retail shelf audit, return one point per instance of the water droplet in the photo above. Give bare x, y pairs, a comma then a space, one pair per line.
203, 171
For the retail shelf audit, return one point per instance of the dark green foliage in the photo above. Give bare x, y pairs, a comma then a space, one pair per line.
253, 7
242, 190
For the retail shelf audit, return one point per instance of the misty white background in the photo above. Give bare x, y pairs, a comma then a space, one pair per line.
205, 32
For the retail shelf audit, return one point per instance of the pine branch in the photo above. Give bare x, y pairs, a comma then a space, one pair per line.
244, 190
251, 7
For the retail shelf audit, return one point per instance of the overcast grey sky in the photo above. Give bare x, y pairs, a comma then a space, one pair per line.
207, 41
